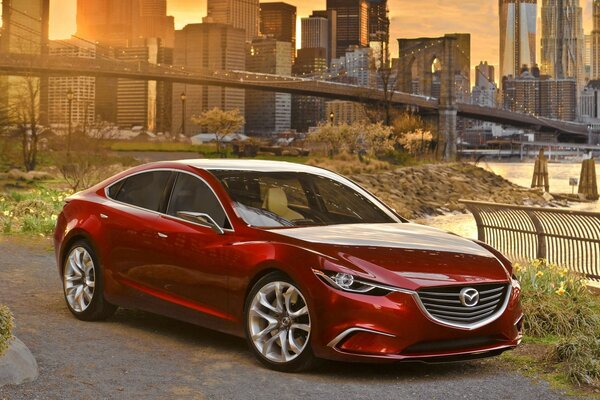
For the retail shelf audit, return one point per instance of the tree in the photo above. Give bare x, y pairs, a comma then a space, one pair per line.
412, 133
23, 111
220, 123
359, 138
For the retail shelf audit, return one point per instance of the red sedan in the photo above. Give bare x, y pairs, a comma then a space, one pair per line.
301, 261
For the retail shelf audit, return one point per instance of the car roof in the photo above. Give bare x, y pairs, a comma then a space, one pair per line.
253, 165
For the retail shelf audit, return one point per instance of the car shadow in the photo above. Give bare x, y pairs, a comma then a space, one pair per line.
198, 337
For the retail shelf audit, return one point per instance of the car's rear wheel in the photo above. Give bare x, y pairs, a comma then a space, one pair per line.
278, 324
83, 284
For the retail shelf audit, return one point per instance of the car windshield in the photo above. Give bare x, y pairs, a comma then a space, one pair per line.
288, 199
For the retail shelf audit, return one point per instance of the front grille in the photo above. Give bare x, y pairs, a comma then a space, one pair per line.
444, 304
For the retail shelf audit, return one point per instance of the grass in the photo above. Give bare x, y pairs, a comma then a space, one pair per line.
6, 327
562, 321
32, 212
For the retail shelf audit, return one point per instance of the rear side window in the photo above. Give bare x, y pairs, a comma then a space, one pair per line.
193, 195
144, 190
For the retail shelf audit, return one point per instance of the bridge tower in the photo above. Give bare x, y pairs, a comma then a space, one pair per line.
438, 68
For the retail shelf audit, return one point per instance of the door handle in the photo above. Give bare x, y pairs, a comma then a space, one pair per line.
103, 216
162, 235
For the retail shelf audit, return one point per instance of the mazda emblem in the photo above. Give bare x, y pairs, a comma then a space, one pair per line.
469, 297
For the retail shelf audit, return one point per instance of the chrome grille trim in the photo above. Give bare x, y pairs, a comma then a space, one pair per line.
449, 311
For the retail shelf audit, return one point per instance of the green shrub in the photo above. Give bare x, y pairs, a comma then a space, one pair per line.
6, 326
31, 212
555, 300
557, 303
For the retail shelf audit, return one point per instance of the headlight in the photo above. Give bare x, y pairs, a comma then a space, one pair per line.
350, 283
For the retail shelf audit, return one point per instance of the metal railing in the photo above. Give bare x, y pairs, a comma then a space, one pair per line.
564, 237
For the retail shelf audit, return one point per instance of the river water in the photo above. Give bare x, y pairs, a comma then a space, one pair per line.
520, 174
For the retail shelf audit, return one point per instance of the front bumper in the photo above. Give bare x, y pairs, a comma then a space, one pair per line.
355, 327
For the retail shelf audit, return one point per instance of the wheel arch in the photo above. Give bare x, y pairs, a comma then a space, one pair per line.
75, 236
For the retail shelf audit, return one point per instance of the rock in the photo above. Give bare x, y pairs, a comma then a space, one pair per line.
547, 196
17, 365
17, 174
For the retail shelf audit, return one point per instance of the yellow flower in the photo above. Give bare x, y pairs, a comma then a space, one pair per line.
561, 291
539, 274
6, 213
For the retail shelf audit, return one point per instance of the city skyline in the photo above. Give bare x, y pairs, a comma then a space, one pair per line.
471, 16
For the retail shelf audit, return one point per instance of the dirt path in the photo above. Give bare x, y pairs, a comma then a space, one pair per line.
137, 355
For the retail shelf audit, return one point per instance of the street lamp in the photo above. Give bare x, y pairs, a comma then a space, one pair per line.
183, 99
70, 101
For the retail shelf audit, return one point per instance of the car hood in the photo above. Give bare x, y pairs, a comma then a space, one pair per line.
405, 254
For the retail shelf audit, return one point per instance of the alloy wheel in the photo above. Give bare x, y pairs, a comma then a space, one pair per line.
79, 279
279, 322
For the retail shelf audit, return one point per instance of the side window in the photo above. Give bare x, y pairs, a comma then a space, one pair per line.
144, 190
192, 194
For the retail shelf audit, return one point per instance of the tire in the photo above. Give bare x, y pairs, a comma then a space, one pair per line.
278, 324
83, 284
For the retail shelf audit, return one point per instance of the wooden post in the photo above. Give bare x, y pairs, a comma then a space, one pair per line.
588, 185
540, 172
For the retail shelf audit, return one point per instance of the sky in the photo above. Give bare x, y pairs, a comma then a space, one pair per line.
409, 19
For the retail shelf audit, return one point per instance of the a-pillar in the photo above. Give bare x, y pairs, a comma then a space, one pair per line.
447, 129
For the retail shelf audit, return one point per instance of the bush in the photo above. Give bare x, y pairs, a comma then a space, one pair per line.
6, 327
31, 212
557, 303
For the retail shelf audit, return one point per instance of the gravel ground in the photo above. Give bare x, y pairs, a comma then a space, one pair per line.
137, 355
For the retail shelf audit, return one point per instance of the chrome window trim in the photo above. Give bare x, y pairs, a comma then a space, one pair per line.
164, 214
345, 333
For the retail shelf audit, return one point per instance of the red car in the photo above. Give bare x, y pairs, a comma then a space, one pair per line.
301, 261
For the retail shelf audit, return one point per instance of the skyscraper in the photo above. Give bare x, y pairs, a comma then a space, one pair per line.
352, 24
595, 43
268, 113
517, 35
241, 14
379, 29
485, 89
24, 31
208, 46
563, 43
117, 22
308, 111
319, 30
278, 21
82, 87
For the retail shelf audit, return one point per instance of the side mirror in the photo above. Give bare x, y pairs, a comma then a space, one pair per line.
201, 219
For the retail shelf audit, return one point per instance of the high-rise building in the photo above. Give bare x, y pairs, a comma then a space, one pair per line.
240, 14
278, 21
308, 111
563, 43
138, 101
541, 95
357, 62
343, 111
319, 31
379, 30
208, 46
268, 113
517, 35
485, 90
589, 103
24, 31
352, 24
595, 43
587, 57
82, 87
117, 22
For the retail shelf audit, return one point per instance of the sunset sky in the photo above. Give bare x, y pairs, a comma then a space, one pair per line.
409, 19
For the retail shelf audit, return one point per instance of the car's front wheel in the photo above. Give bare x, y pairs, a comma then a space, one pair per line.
83, 284
278, 324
